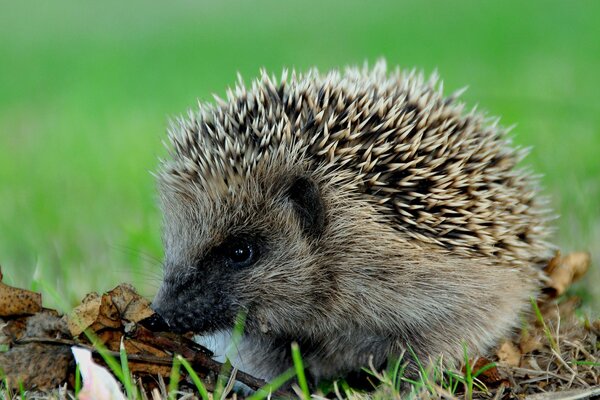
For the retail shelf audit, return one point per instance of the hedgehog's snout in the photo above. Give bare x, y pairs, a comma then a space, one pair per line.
194, 303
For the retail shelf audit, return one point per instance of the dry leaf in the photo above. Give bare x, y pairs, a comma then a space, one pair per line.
131, 306
84, 315
12, 330
530, 343
109, 310
509, 354
14, 301
36, 365
110, 338
108, 315
149, 368
491, 375
563, 271
553, 263
133, 346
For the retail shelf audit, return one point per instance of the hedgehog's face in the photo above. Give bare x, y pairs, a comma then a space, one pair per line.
257, 249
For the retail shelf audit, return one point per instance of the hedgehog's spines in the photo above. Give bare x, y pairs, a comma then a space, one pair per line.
448, 177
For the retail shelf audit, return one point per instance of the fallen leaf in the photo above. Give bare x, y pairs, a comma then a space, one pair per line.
12, 330
491, 375
530, 342
84, 315
108, 315
15, 301
509, 354
149, 368
110, 338
109, 310
132, 307
566, 270
36, 365
553, 263
133, 346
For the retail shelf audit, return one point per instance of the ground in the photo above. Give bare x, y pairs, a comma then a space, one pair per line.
86, 90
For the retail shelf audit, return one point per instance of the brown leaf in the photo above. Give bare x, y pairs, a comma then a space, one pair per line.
108, 315
12, 330
133, 346
509, 354
489, 376
84, 315
109, 310
530, 342
110, 338
15, 301
563, 271
36, 365
131, 306
95, 312
553, 263
150, 369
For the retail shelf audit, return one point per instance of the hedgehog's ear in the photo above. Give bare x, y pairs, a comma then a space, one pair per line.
306, 198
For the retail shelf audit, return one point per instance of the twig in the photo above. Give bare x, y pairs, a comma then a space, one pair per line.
574, 374
567, 395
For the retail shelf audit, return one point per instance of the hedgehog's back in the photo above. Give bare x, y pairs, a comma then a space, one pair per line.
444, 176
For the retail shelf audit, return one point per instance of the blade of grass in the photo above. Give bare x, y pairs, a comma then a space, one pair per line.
423, 372
540, 318
238, 330
453, 381
272, 386
77, 380
174, 378
195, 378
483, 369
4, 386
299, 367
222, 379
129, 387
468, 375
110, 361
236, 336
398, 372
591, 363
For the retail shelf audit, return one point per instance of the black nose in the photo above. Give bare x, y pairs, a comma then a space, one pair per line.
155, 323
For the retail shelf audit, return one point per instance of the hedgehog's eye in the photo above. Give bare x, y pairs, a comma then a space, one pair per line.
240, 254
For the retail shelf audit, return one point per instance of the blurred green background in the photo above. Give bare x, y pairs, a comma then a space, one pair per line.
87, 88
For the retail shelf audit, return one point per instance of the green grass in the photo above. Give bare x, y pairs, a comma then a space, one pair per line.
86, 90
200, 388
299, 367
540, 318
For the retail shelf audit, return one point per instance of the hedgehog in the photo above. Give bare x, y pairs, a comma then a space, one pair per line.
360, 214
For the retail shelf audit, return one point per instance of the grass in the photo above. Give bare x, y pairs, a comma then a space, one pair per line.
195, 378
540, 318
299, 368
86, 90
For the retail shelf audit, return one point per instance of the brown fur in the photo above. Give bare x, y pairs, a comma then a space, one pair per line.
430, 236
